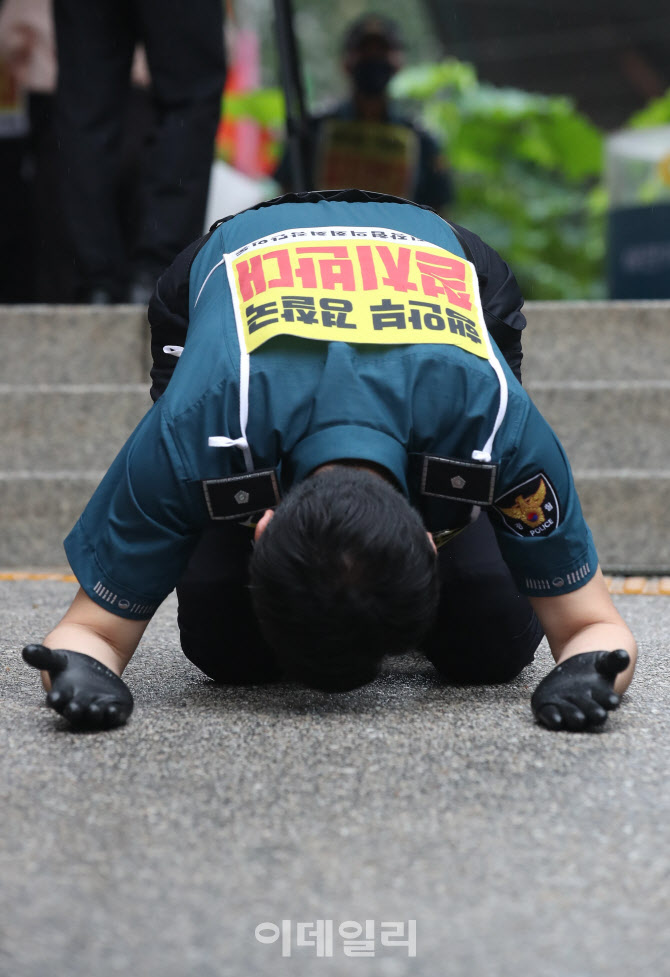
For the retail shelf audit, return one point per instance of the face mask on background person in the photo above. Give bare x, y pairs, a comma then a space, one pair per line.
371, 76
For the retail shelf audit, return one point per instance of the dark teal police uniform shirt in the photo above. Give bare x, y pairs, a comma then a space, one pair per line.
312, 402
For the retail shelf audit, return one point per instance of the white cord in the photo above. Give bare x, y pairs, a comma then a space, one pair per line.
207, 279
485, 453
221, 441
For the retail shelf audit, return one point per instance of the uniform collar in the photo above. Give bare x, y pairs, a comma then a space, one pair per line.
348, 441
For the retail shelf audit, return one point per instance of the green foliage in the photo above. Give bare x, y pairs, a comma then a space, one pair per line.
527, 168
264, 105
657, 113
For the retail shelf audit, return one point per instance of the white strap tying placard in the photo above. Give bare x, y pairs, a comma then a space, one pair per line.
485, 454
221, 441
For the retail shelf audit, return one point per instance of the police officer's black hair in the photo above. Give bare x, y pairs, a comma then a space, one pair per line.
343, 574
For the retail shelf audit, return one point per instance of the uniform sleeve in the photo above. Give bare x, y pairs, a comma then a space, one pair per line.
501, 296
135, 536
168, 316
537, 515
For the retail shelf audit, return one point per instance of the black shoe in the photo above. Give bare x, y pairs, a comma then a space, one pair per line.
98, 296
141, 290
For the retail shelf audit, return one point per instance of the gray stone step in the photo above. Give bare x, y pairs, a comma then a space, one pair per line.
39, 509
604, 424
106, 344
67, 426
626, 510
597, 341
74, 344
80, 426
76, 382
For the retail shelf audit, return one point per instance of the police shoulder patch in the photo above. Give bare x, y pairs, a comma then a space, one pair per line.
530, 508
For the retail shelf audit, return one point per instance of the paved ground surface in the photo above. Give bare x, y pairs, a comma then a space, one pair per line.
157, 849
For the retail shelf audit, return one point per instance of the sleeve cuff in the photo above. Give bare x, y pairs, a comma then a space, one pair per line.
99, 586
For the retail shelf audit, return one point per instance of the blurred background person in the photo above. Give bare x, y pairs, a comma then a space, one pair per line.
364, 142
185, 55
27, 84
37, 255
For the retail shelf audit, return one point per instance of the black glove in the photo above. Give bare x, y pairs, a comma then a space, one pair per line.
87, 693
578, 693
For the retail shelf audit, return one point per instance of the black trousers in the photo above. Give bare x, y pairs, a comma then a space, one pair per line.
184, 47
485, 631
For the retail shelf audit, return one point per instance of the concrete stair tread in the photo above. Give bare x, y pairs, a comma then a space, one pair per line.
608, 385
85, 425
626, 510
108, 343
74, 381
66, 343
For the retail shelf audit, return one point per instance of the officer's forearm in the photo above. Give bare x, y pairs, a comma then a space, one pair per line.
78, 637
93, 631
586, 620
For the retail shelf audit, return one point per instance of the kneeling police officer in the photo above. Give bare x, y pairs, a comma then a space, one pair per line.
340, 464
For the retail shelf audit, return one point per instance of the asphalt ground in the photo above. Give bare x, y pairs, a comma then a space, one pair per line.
157, 849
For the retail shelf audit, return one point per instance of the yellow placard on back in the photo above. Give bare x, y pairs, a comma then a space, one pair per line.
355, 285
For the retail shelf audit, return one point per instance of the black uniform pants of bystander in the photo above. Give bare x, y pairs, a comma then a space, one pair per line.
184, 48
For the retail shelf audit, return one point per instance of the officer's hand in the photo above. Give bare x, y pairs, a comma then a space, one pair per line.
578, 693
87, 693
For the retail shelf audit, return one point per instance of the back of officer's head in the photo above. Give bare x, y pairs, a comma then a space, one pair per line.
343, 574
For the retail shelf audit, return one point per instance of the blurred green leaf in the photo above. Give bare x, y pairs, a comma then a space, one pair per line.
265, 106
426, 80
525, 167
579, 146
657, 113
